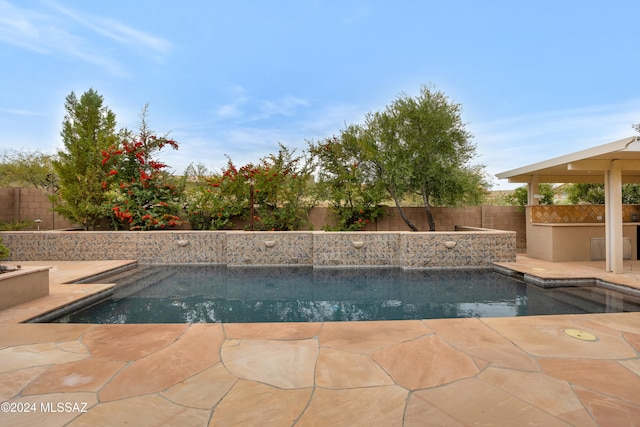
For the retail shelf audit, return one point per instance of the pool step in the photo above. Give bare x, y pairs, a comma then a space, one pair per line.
137, 280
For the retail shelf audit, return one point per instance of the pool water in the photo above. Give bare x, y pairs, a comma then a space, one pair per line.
207, 294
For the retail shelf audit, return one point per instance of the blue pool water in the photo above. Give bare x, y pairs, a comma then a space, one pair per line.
206, 294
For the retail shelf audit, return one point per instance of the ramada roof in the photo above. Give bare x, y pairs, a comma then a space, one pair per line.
586, 166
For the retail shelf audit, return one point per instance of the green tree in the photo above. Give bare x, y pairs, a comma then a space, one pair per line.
586, 193
346, 181
88, 128
520, 196
631, 194
594, 194
26, 168
420, 145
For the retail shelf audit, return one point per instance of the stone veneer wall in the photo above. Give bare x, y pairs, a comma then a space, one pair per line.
317, 248
28, 204
470, 249
343, 249
267, 248
146, 247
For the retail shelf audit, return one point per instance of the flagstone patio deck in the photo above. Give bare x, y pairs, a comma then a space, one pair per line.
449, 372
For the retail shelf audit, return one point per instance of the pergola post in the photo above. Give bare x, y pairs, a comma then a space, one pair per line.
613, 217
533, 188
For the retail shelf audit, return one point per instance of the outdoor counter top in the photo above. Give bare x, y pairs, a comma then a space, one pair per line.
579, 224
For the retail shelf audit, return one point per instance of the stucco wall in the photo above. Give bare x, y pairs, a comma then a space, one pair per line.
566, 242
23, 285
234, 248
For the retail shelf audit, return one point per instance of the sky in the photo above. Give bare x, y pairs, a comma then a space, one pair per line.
535, 79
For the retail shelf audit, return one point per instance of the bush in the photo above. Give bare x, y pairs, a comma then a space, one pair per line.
15, 225
355, 200
4, 251
213, 201
354, 219
141, 196
278, 186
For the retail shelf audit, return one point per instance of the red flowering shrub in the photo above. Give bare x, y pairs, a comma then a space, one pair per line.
141, 195
278, 186
213, 200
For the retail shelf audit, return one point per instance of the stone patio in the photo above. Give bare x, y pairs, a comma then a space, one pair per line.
448, 372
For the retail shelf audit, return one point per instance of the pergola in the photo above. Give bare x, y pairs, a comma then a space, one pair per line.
613, 164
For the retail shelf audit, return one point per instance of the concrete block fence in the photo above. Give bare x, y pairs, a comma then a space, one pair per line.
468, 248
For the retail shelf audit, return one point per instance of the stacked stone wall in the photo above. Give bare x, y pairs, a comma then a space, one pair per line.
233, 248
29, 204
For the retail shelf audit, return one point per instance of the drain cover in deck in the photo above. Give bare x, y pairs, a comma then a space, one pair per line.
581, 335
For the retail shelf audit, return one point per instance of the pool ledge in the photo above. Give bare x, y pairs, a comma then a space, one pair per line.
63, 295
550, 274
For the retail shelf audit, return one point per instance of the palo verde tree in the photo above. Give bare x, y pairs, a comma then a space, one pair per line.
420, 145
89, 127
26, 168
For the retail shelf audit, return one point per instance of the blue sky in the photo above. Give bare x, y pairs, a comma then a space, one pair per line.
535, 79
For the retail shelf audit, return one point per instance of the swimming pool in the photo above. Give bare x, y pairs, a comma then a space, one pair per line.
207, 294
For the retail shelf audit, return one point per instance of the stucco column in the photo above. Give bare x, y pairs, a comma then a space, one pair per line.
613, 217
532, 190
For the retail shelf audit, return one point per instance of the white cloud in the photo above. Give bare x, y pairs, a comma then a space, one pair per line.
247, 141
31, 30
513, 142
132, 37
52, 34
285, 106
21, 112
233, 110
119, 32
229, 111
244, 108
596, 120
331, 119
